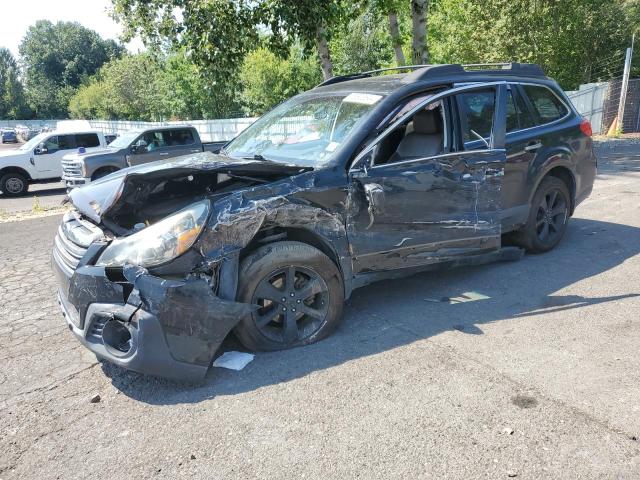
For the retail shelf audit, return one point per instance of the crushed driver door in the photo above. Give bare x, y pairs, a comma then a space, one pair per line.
413, 211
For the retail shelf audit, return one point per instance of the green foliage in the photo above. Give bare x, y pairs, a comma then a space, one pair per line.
147, 87
363, 45
576, 41
12, 100
126, 88
268, 79
57, 57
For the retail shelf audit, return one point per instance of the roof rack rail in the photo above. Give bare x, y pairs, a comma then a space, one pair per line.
528, 69
423, 72
368, 73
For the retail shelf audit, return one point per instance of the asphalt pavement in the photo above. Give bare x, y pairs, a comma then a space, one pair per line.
540, 379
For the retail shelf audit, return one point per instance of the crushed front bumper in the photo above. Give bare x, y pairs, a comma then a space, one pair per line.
141, 322
148, 352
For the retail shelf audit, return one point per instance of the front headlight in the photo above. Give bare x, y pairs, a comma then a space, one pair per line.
161, 242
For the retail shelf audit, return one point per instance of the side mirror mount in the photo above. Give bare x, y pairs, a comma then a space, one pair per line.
138, 149
41, 149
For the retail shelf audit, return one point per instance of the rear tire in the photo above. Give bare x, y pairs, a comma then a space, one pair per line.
14, 184
300, 294
548, 217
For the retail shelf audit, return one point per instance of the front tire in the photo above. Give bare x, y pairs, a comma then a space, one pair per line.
14, 184
299, 292
548, 217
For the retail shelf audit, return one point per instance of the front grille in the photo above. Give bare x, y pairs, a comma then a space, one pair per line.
72, 241
71, 169
68, 253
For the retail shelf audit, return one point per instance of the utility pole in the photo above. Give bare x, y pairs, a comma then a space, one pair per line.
625, 84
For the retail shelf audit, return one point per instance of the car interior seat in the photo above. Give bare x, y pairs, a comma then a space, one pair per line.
424, 137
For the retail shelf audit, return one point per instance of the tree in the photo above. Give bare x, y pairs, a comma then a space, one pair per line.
363, 45
56, 58
219, 34
576, 41
419, 51
391, 10
12, 100
126, 89
148, 87
268, 79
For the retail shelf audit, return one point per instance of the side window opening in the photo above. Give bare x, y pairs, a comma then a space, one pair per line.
421, 136
87, 140
518, 115
66, 142
546, 104
476, 111
51, 144
179, 138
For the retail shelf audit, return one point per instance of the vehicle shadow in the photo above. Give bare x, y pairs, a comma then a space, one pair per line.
390, 314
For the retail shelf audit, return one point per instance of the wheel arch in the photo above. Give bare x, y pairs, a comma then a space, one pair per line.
22, 171
107, 168
564, 173
272, 234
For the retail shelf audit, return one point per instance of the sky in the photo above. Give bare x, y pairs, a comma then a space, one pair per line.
17, 15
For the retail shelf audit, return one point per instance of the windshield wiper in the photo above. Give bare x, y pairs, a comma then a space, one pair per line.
260, 158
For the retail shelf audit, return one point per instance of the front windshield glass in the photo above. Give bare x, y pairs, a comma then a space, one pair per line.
124, 140
35, 141
306, 130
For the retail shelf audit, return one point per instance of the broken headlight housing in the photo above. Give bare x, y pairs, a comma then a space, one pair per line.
160, 242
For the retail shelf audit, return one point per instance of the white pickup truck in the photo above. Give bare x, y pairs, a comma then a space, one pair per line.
40, 159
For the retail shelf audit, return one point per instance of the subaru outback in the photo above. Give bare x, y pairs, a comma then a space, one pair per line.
366, 177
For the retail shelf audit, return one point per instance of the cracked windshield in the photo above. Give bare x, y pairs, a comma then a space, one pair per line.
305, 131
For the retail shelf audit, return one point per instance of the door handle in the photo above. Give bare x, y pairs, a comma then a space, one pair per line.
533, 146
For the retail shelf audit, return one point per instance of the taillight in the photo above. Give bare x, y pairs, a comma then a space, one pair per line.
585, 127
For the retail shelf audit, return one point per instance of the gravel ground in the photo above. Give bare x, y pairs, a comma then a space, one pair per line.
541, 380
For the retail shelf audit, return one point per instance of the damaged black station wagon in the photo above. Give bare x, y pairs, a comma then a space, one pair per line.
363, 178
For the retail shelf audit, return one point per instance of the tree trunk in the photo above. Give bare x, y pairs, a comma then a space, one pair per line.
323, 52
420, 53
394, 31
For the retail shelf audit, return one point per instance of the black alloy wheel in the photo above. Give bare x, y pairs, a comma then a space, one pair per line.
297, 292
551, 217
294, 302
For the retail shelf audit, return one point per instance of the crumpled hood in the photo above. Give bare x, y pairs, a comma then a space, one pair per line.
97, 198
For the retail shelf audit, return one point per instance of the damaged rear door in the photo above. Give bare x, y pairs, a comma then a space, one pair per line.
428, 189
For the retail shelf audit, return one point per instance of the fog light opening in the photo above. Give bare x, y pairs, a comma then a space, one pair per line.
116, 336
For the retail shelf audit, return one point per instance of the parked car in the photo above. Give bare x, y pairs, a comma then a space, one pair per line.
134, 148
40, 159
363, 178
8, 136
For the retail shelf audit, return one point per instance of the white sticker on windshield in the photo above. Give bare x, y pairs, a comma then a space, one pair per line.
332, 146
362, 98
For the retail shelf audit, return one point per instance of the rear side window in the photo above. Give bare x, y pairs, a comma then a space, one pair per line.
476, 114
87, 140
66, 142
546, 104
180, 137
518, 116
